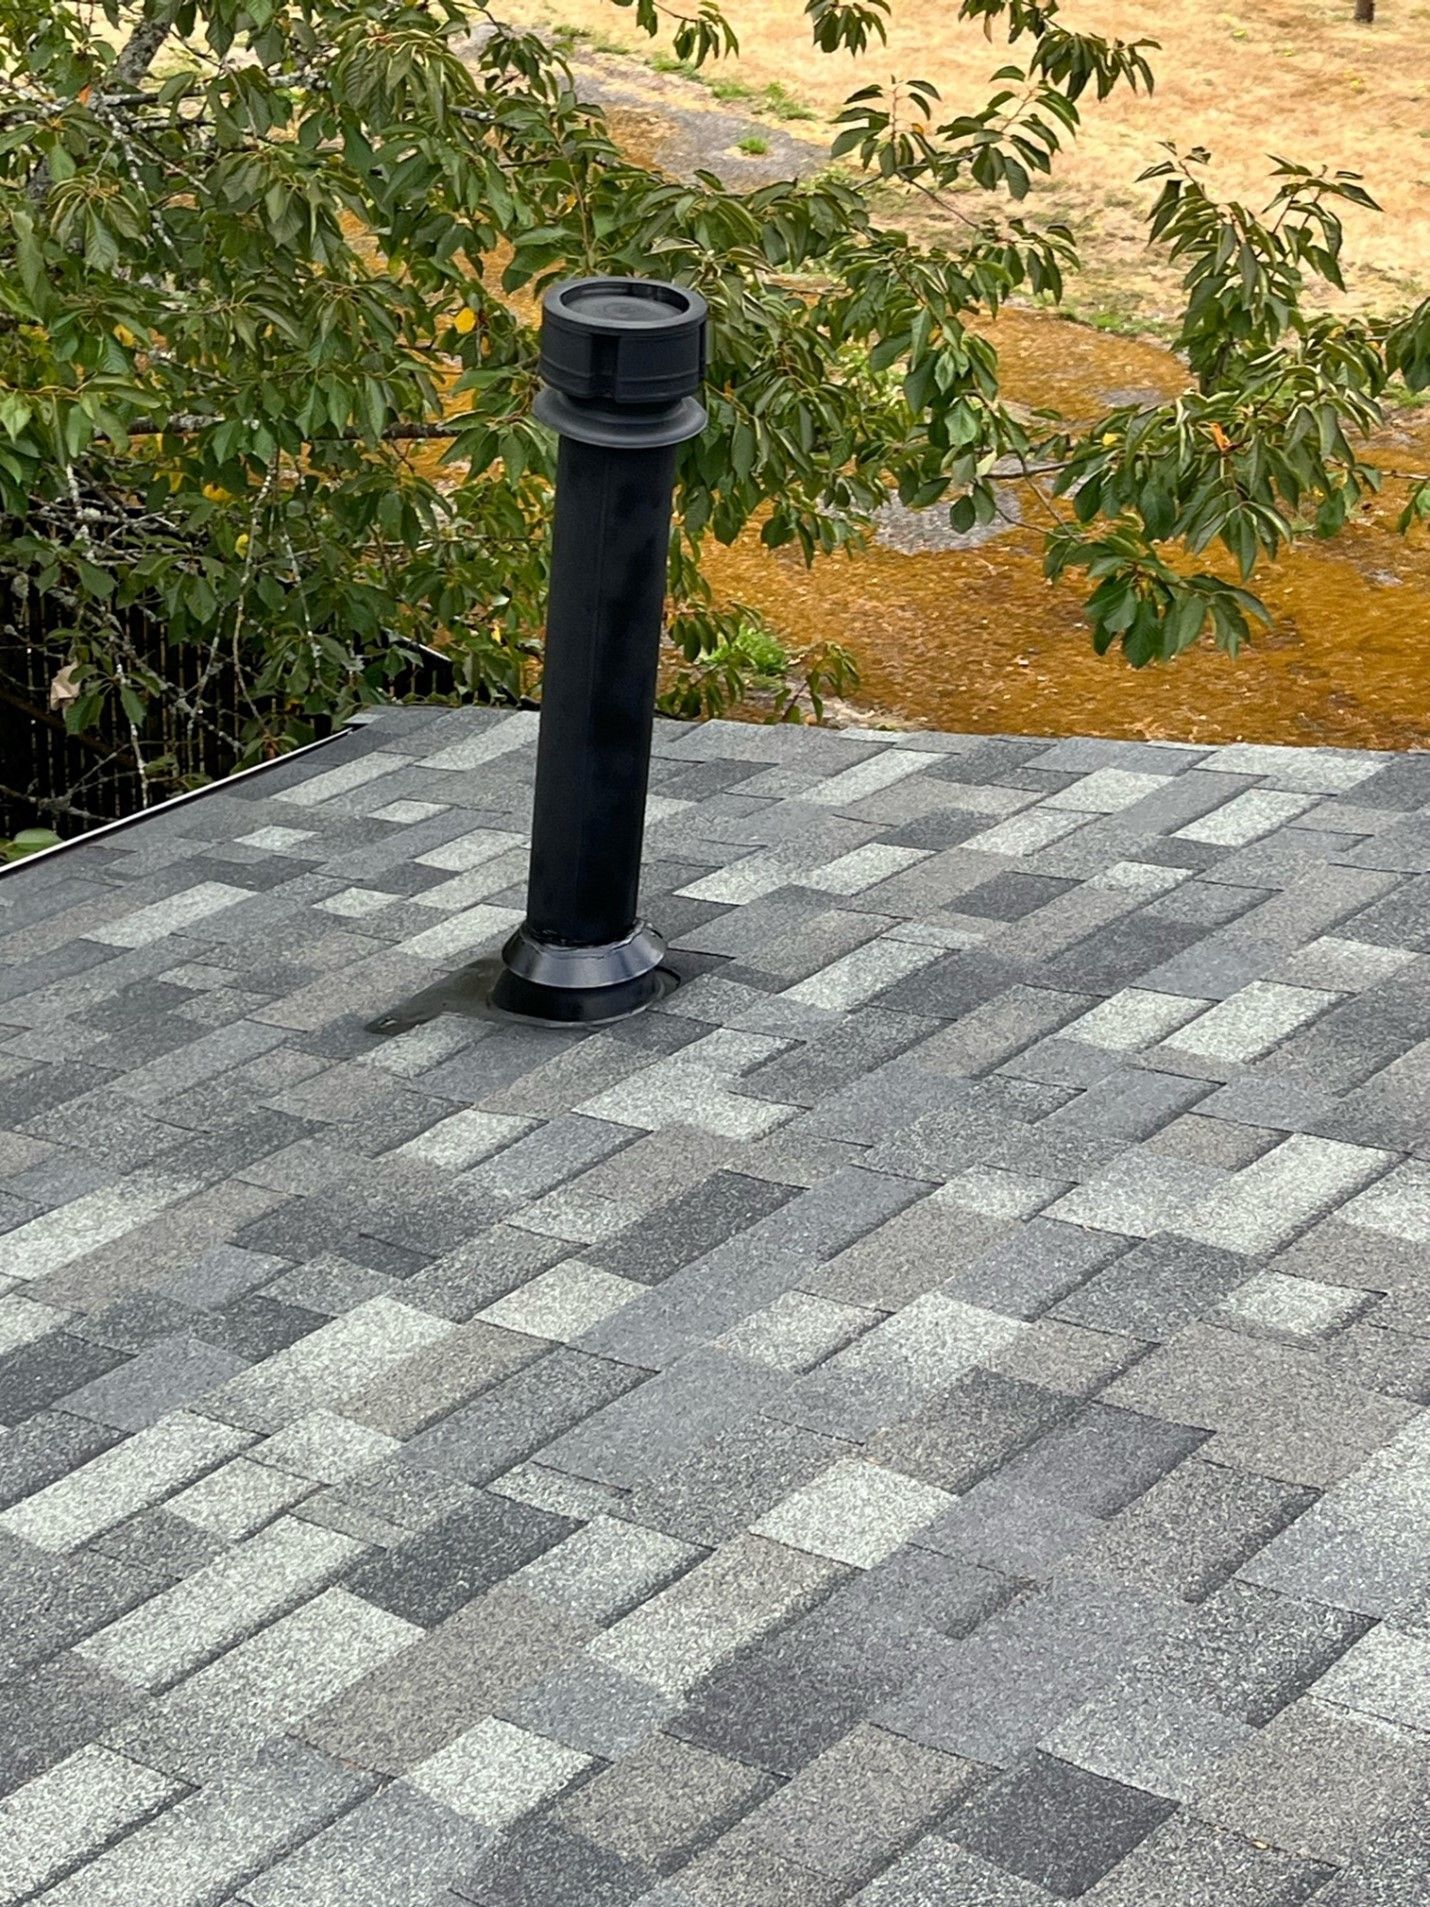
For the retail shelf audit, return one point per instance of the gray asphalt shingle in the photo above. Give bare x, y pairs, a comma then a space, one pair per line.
935, 1412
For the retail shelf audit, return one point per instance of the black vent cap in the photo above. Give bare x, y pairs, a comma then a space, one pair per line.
624, 340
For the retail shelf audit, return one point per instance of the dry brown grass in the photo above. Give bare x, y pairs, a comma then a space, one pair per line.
1294, 77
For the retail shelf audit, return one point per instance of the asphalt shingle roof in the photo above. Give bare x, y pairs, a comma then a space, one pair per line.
931, 1415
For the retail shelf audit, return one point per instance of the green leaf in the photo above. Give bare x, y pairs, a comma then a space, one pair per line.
1120, 610
15, 413
1088, 499
1158, 510
1184, 622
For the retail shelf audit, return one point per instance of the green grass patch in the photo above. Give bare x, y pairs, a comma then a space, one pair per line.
783, 104
667, 63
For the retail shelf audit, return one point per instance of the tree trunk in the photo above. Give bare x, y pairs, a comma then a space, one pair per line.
1365, 12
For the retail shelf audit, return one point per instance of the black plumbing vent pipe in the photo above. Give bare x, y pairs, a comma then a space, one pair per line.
622, 361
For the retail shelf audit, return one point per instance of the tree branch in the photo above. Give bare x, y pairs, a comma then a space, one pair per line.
190, 423
140, 50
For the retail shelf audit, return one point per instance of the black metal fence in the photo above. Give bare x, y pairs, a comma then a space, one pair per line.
50, 778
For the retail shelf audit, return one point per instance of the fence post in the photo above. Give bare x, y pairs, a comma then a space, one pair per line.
622, 360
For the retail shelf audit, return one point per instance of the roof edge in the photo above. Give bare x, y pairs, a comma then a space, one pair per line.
361, 719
